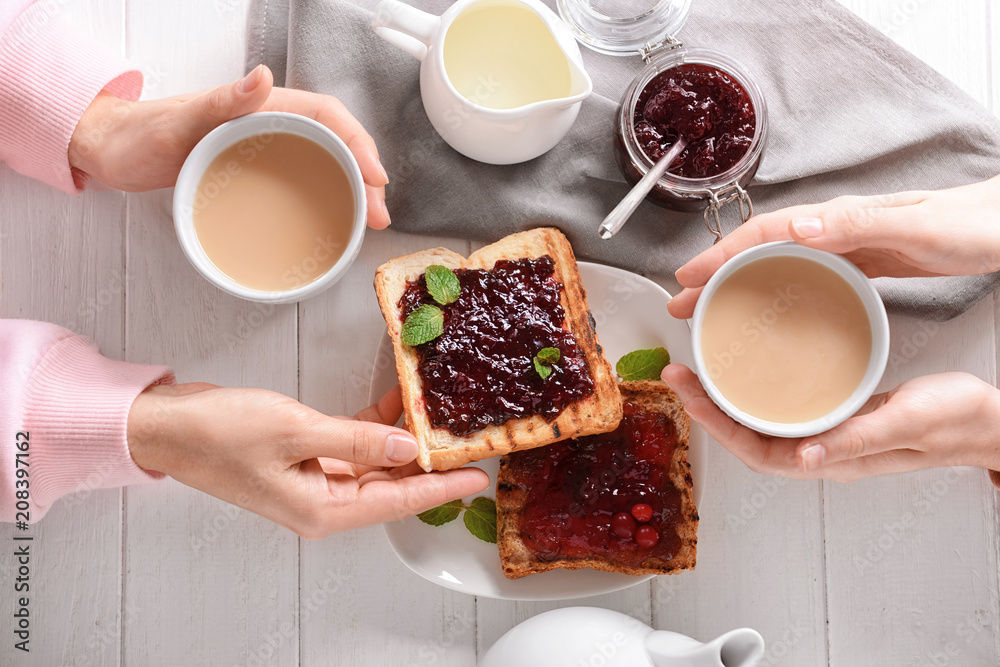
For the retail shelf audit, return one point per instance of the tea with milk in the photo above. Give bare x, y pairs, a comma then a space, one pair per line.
786, 339
274, 211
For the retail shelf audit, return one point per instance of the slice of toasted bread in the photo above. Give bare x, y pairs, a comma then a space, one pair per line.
512, 496
439, 448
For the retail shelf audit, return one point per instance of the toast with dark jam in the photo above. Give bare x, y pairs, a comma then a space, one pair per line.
476, 390
619, 501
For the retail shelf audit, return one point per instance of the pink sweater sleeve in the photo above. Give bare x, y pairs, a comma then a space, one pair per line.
48, 76
70, 405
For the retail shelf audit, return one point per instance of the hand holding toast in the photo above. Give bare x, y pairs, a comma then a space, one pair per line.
268, 453
946, 232
946, 419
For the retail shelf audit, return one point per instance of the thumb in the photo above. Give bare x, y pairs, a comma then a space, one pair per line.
846, 229
875, 429
202, 114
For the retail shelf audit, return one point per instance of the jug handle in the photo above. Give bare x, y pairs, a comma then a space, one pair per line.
404, 27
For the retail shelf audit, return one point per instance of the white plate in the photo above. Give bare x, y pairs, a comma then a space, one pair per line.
631, 313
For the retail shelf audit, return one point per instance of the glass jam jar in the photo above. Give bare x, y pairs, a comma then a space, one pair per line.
624, 27
708, 193
647, 28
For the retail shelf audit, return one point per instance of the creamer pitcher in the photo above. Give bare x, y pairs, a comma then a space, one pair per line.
501, 80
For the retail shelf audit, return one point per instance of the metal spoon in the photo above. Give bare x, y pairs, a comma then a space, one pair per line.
618, 217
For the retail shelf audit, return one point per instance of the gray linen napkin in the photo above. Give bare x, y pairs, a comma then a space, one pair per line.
850, 113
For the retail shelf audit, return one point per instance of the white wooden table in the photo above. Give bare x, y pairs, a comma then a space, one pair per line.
891, 571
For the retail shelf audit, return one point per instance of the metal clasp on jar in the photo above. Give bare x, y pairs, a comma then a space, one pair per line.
719, 197
650, 50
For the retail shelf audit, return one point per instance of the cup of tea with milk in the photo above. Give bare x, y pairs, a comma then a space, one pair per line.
789, 340
271, 207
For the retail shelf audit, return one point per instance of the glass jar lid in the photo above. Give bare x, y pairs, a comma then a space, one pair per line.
625, 27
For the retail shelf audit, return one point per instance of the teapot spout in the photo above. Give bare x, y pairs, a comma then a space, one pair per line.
738, 648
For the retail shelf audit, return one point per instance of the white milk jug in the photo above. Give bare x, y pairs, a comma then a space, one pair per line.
501, 80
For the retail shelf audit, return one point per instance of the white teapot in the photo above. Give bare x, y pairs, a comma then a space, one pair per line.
501, 80
592, 637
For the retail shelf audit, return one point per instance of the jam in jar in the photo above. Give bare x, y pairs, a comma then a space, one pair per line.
714, 104
705, 106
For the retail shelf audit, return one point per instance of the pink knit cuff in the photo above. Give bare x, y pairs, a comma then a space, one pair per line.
48, 76
76, 408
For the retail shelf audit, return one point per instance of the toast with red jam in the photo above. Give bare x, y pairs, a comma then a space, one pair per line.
619, 502
515, 362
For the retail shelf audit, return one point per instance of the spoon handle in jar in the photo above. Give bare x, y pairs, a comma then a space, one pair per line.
617, 218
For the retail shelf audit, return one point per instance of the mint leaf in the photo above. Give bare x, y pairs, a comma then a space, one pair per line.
442, 514
423, 325
442, 284
544, 359
643, 364
481, 519
542, 369
548, 355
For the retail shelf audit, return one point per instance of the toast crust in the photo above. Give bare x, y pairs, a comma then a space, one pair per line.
439, 448
519, 561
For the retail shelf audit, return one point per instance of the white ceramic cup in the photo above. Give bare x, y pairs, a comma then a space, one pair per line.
264, 124
876, 316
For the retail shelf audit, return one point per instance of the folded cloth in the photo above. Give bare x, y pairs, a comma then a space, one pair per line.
850, 113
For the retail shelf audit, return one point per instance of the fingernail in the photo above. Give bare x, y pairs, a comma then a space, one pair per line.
400, 448
385, 210
813, 457
385, 174
808, 228
250, 81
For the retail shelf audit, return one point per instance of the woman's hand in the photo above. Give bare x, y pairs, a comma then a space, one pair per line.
937, 420
137, 146
946, 232
265, 452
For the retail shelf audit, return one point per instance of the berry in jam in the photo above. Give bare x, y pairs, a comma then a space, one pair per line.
480, 371
646, 537
707, 107
581, 493
623, 525
642, 512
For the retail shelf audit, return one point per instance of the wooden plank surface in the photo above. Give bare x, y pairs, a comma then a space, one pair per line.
215, 585
912, 560
900, 570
